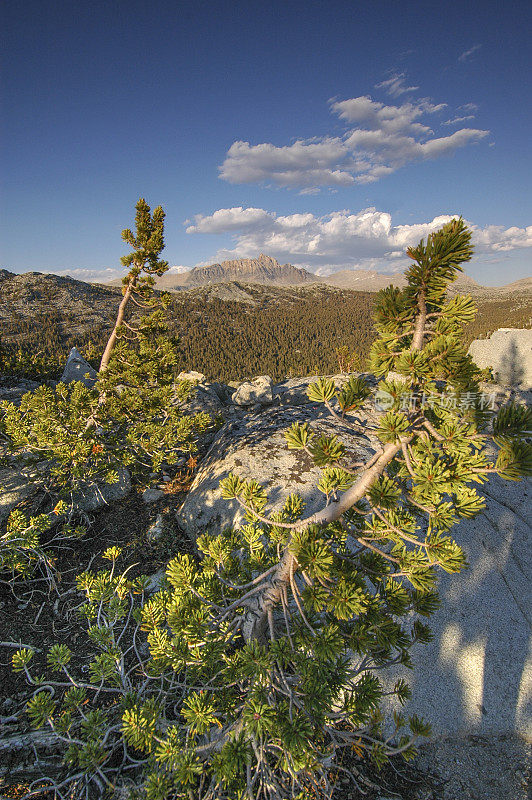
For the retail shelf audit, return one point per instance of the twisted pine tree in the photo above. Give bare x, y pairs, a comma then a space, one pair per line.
144, 263
134, 415
262, 681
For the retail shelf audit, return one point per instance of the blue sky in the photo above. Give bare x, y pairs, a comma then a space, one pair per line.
328, 134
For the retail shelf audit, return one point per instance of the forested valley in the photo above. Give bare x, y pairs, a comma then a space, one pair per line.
227, 331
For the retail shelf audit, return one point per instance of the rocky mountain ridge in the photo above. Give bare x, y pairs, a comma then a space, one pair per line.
372, 281
267, 271
282, 330
21, 296
263, 270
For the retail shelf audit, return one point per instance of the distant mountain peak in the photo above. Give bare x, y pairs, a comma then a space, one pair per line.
264, 269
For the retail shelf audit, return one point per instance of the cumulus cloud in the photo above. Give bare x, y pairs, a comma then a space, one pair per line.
339, 240
500, 239
379, 140
448, 144
101, 274
388, 119
177, 269
304, 163
457, 120
228, 219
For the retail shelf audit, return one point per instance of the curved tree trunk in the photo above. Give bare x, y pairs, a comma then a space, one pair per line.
419, 330
109, 347
260, 605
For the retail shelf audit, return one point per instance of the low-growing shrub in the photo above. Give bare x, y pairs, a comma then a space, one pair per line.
27, 545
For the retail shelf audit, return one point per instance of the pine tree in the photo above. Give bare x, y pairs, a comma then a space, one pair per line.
134, 416
144, 262
265, 652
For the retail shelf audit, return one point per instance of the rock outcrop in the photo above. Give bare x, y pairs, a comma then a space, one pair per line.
259, 391
475, 678
19, 484
15, 486
192, 376
13, 388
263, 269
77, 369
508, 352
79, 304
254, 447
98, 495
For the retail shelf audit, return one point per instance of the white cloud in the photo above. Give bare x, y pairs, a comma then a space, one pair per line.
395, 86
304, 163
448, 144
500, 239
96, 275
388, 119
102, 274
457, 120
466, 55
366, 239
227, 219
177, 269
379, 140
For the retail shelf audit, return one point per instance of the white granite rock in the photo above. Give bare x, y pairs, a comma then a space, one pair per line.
475, 677
15, 486
152, 495
259, 390
508, 352
254, 447
193, 376
77, 369
96, 496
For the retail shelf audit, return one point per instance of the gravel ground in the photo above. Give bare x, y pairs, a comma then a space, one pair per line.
476, 768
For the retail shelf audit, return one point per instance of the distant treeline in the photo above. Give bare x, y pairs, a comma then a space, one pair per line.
513, 312
229, 340
38, 348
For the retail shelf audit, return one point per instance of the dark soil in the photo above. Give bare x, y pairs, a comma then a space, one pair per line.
40, 618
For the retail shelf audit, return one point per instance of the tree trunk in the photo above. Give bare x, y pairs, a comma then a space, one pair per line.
259, 606
419, 331
109, 347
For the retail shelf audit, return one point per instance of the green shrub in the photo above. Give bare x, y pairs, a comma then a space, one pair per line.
25, 547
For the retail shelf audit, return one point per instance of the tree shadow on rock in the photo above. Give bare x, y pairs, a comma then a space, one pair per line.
511, 370
475, 677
